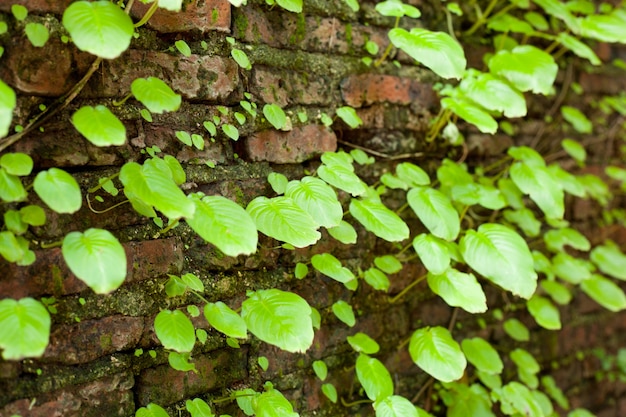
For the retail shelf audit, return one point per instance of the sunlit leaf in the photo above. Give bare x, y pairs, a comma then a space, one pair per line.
435, 351
378, 219
577, 119
151, 410
175, 330
395, 406
59, 190
538, 183
528, 68
377, 279
459, 289
330, 266
516, 330
605, 292
180, 362
544, 312
361, 342
275, 115
349, 116
397, 8
8, 101
99, 126
471, 113
494, 94
610, 260
343, 232
374, 377
225, 320
435, 211
157, 96
37, 34
433, 253
482, 355
318, 199
198, 408
24, 328
343, 178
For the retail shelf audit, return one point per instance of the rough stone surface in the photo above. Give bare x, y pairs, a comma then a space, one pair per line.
202, 15
296, 145
366, 89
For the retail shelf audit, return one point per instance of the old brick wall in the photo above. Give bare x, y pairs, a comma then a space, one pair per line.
305, 63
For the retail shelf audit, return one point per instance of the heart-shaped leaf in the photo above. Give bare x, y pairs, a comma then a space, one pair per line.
435, 351
374, 377
157, 96
318, 199
396, 406
361, 342
435, 211
175, 330
482, 355
378, 219
544, 312
433, 253
528, 68
343, 311
396, 8
342, 177
459, 289
24, 328
539, 184
330, 266
151, 410
225, 320
11, 188
494, 94
99, 126
17, 163
471, 113
275, 115
59, 190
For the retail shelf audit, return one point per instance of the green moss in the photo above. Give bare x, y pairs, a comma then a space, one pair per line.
215, 14
349, 36
298, 35
240, 24
106, 341
57, 281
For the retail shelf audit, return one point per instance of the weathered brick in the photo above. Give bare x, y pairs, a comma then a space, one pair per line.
366, 89
38, 6
296, 145
88, 340
285, 88
202, 15
165, 385
50, 275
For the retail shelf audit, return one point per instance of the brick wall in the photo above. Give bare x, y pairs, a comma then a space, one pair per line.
305, 63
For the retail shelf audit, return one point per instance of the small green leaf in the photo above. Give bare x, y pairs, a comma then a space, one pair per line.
184, 137
605, 292
175, 330
577, 119
555, 239
482, 355
100, 27
343, 232
97, 258
395, 8
471, 113
275, 115
544, 312
435, 50
524, 219
433, 253
19, 12
377, 279
519, 399
279, 318
516, 330
494, 94
524, 360
59, 190
180, 362
579, 48
7, 104
183, 48
610, 260
210, 127
459, 289
301, 270
412, 175
151, 410
24, 328
278, 182
153, 93
11, 188
10, 248
241, 59
435, 351
263, 362
19, 164
320, 369
435, 211
225, 320
294, 6
99, 126
557, 291
361, 342
528, 68
554, 391
388, 263
198, 408
349, 116
318, 199
330, 392
33, 215
330, 266
231, 131
378, 219
343, 178
396, 406
539, 184
374, 377
343, 311
570, 269
37, 34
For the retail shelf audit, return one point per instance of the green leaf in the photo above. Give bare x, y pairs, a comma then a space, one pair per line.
361, 342
516, 330
37, 34
278, 182
301, 270
343, 311
374, 377
11, 188
435, 50
606, 28
579, 48
33, 215
555, 239
395, 406
320, 369
395, 8
494, 94
544, 312
520, 399
605, 292
577, 119
471, 400
10, 248
580, 412
225, 320
171, 5
557, 291
554, 391
524, 360
291, 5
349, 116
502, 256
539, 184
524, 219
175, 330
330, 266
99, 126
459, 289
184, 137
100, 28
157, 96
610, 260
180, 362
344, 232
330, 392
245, 399
24, 328
241, 59
283, 220
378, 219
175, 287
182, 47
19, 164
412, 175
231, 131
225, 224
7, 104
59, 190
279, 318
471, 113
377, 279
343, 178
435, 211
388, 263
318, 199
198, 408
97, 258
435, 351
19, 12
528, 68
508, 23
433, 253
275, 115
570, 269
151, 410
482, 355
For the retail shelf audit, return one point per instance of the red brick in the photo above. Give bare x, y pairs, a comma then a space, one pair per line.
38, 6
296, 145
289, 87
88, 340
366, 89
202, 15
50, 275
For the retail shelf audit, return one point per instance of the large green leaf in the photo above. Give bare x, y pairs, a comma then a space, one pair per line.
7, 104
435, 50
157, 96
344, 232
459, 289
97, 258
610, 260
494, 94
273, 404
24, 328
225, 320
342, 177
59, 190
330, 266
275, 115
502, 256
482, 355
175, 330
471, 113
395, 406
435, 351
284, 220
17, 163
11, 188
435, 211
99, 126
225, 224
528, 68
605, 28
605, 292
555, 239
318, 199
99, 27
279, 318
538, 183
544, 312
378, 219
374, 377
412, 175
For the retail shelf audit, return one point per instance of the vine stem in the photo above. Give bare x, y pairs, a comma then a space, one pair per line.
482, 18
388, 49
407, 289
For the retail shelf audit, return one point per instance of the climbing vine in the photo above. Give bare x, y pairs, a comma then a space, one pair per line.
520, 242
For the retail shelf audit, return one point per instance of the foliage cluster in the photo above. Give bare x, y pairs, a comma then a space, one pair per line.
475, 224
